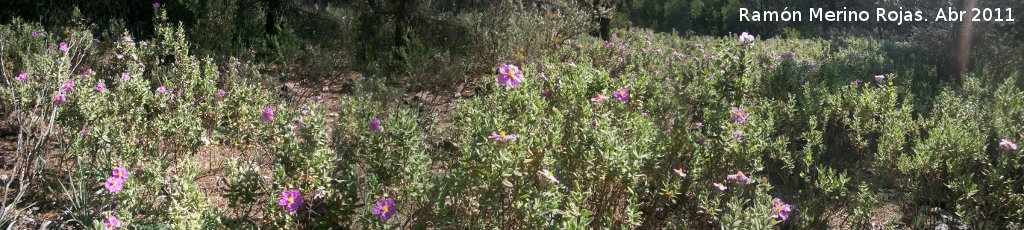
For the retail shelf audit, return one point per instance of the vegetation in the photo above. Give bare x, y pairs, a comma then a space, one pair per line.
506, 115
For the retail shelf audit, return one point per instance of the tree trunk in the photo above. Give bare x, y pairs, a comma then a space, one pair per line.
273, 11
963, 42
603, 20
401, 19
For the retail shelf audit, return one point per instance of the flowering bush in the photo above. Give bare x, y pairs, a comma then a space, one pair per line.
643, 131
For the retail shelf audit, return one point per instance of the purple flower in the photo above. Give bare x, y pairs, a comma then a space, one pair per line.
719, 186
599, 98
114, 184
101, 87
64, 47
608, 44
622, 48
509, 76
125, 76
739, 176
542, 76
738, 135
545, 94
58, 99
35, 34
161, 90
68, 86
621, 94
698, 125
290, 200
780, 210
746, 39
267, 115
120, 173
22, 76
375, 125
385, 209
111, 223
1007, 145
738, 115
502, 137
88, 72
220, 94
880, 79
786, 56
156, 5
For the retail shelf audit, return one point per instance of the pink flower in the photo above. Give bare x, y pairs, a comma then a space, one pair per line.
780, 210
22, 76
746, 39
58, 99
375, 125
679, 171
385, 208
128, 40
101, 87
621, 94
111, 223
161, 90
547, 174
68, 86
599, 98
220, 94
738, 115
737, 135
509, 76
502, 137
267, 115
880, 79
719, 186
88, 72
120, 173
114, 184
1007, 145
290, 200
739, 176
64, 47
125, 76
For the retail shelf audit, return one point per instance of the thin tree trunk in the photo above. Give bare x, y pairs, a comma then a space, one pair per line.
273, 8
964, 37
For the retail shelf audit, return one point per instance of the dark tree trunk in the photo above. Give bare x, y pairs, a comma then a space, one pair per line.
402, 12
273, 11
603, 20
